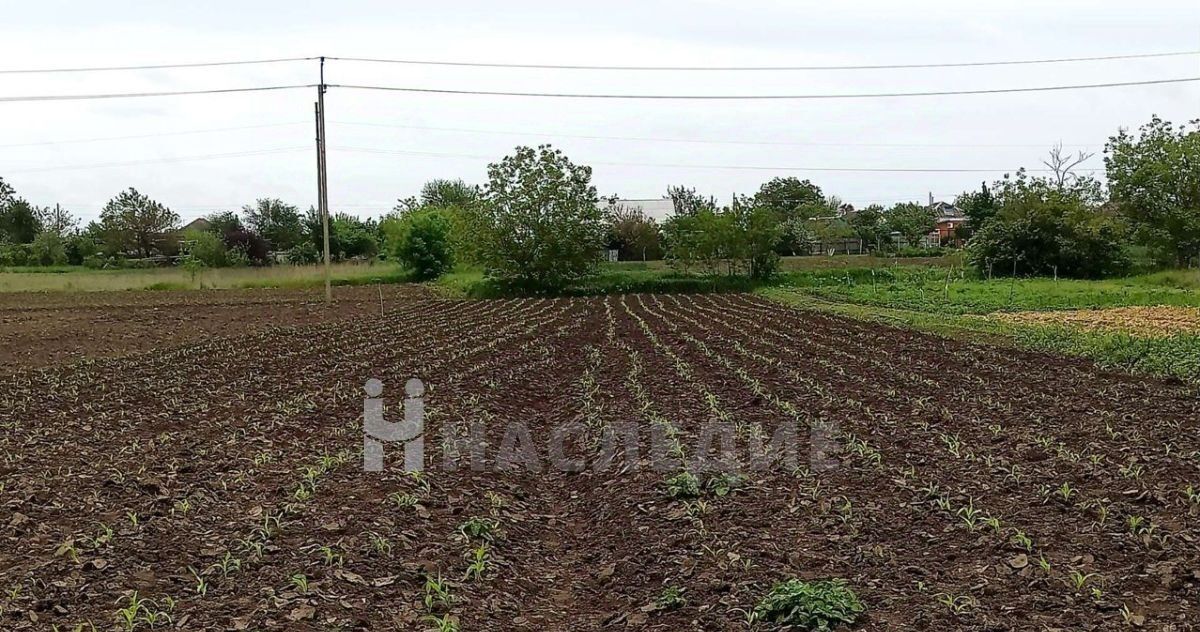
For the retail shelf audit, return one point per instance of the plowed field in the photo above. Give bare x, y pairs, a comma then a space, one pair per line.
965, 487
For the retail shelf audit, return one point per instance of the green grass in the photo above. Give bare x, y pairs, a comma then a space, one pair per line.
958, 291
1176, 356
79, 279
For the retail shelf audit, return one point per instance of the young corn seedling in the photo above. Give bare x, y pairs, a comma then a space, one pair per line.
960, 604
1078, 579
478, 564
331, 556
444, 623
437, 593
227, 566
1065, 491
201, 587
299, 581
970, 515
1025, 542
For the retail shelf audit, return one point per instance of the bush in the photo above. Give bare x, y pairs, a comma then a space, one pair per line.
421, 241
253, 249
48, 249
304, 253
817, 605
207, 248
1044, 228
15, 254
79, 248
540, 223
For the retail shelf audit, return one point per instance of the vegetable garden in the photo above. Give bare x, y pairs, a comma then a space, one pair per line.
217, 483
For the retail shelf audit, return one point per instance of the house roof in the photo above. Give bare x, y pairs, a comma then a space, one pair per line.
197, 224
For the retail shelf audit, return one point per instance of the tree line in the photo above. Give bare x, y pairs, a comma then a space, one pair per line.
538, 221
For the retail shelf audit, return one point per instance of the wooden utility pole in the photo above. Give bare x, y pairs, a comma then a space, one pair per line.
322, 183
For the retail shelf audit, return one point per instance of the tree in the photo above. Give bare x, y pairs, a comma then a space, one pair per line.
540, 221
1047, 226
276, 222
447, 194
871, 227
246, 243
221, 222
687, 202
48, 249
420, 240
207, 248
59, 221
634, 234
913, 221
979, 207
133, 221
1154, 178
786, 196
20, 222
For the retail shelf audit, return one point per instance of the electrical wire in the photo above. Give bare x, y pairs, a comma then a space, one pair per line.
123, 95
206, 64
1020, 62
687, 140
746, 97
404, 152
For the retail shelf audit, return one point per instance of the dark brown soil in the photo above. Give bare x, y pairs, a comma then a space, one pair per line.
40, 329
238, 451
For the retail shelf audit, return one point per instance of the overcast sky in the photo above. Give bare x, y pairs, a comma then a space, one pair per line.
1000, 132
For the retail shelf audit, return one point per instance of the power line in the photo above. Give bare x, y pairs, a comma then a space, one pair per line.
404, 152
123, 95
130, 163
734, 97
426, 62
567, 95
158, 135
690, 140
12, 71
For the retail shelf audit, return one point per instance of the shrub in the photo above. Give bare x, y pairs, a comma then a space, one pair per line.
540, 223
817, 606
253, 248
420, 240
15, 254
79, 248
304, 253
1044, 227
48, 249
207, 248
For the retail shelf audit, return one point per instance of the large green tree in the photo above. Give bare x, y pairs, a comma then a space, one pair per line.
277, 222
633, 233
1046, 226
133, 221
540, 222
870, 225
1154, 178
912, 220
450, 194
786, 196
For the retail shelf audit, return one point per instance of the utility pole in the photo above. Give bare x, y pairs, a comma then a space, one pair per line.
322, 183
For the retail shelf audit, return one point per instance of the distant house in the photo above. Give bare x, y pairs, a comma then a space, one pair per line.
197, 224
948, 219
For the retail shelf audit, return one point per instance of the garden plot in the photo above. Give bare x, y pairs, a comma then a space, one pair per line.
941, 485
